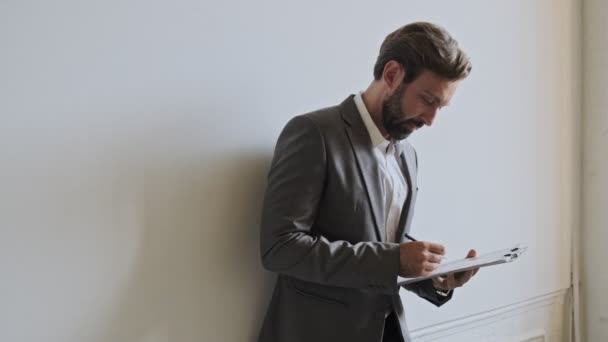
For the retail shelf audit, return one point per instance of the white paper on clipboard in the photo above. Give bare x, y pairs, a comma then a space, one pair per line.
492, 258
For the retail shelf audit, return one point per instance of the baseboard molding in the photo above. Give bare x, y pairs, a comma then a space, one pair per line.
489, 317
533, 336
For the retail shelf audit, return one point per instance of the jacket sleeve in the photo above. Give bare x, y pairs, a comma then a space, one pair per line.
425, 290
288, 243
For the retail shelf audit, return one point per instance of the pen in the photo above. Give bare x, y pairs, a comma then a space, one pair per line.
409, 237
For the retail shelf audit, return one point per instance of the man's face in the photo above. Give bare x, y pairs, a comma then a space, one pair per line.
415, 104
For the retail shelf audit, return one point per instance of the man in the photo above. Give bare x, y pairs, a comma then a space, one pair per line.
340, 199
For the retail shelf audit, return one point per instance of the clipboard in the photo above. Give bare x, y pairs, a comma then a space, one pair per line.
498, 257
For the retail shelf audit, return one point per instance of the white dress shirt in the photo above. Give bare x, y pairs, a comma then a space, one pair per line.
394, 186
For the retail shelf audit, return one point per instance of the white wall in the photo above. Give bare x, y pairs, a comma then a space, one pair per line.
135, 138
595, 171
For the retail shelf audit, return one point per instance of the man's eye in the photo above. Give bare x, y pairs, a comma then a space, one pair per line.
428, 101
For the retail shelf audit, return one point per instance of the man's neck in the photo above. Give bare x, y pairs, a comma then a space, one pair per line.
372, 98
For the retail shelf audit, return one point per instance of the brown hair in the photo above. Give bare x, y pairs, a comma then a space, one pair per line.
420, 46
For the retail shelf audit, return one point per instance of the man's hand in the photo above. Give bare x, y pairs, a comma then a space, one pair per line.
419, 258
454, 280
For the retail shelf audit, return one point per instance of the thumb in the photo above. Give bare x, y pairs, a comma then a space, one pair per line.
472, 253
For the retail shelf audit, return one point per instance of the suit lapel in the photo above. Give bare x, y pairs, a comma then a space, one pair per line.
366, 162
408, 165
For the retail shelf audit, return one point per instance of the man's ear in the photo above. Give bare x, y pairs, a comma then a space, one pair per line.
393, 75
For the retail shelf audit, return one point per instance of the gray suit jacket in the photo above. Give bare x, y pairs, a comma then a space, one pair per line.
323, 232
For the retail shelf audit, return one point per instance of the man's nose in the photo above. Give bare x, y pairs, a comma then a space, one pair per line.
429, 116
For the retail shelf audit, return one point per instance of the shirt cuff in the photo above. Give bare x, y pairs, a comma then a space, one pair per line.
443, 293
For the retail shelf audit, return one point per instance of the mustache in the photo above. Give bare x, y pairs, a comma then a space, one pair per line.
417, 123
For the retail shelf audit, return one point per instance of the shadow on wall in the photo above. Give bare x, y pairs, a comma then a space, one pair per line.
197, 276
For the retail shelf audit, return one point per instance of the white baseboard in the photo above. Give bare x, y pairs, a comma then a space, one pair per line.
485, 321
539, 335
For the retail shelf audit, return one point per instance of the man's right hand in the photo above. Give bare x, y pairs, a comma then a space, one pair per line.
419, 258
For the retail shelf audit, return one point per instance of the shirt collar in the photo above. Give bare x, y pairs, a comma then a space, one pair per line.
378, 140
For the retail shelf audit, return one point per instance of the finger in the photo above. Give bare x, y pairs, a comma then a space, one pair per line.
436, 248
463, 277
473, 272
434, 258
429, 266
440, 283
456, 281
426, 272
472, 253
451, 281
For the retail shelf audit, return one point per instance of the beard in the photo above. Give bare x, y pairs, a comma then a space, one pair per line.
395, 120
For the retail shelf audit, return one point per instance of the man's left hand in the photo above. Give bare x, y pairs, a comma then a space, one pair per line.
454, 280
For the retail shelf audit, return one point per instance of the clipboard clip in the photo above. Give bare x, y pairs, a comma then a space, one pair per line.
515, 252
